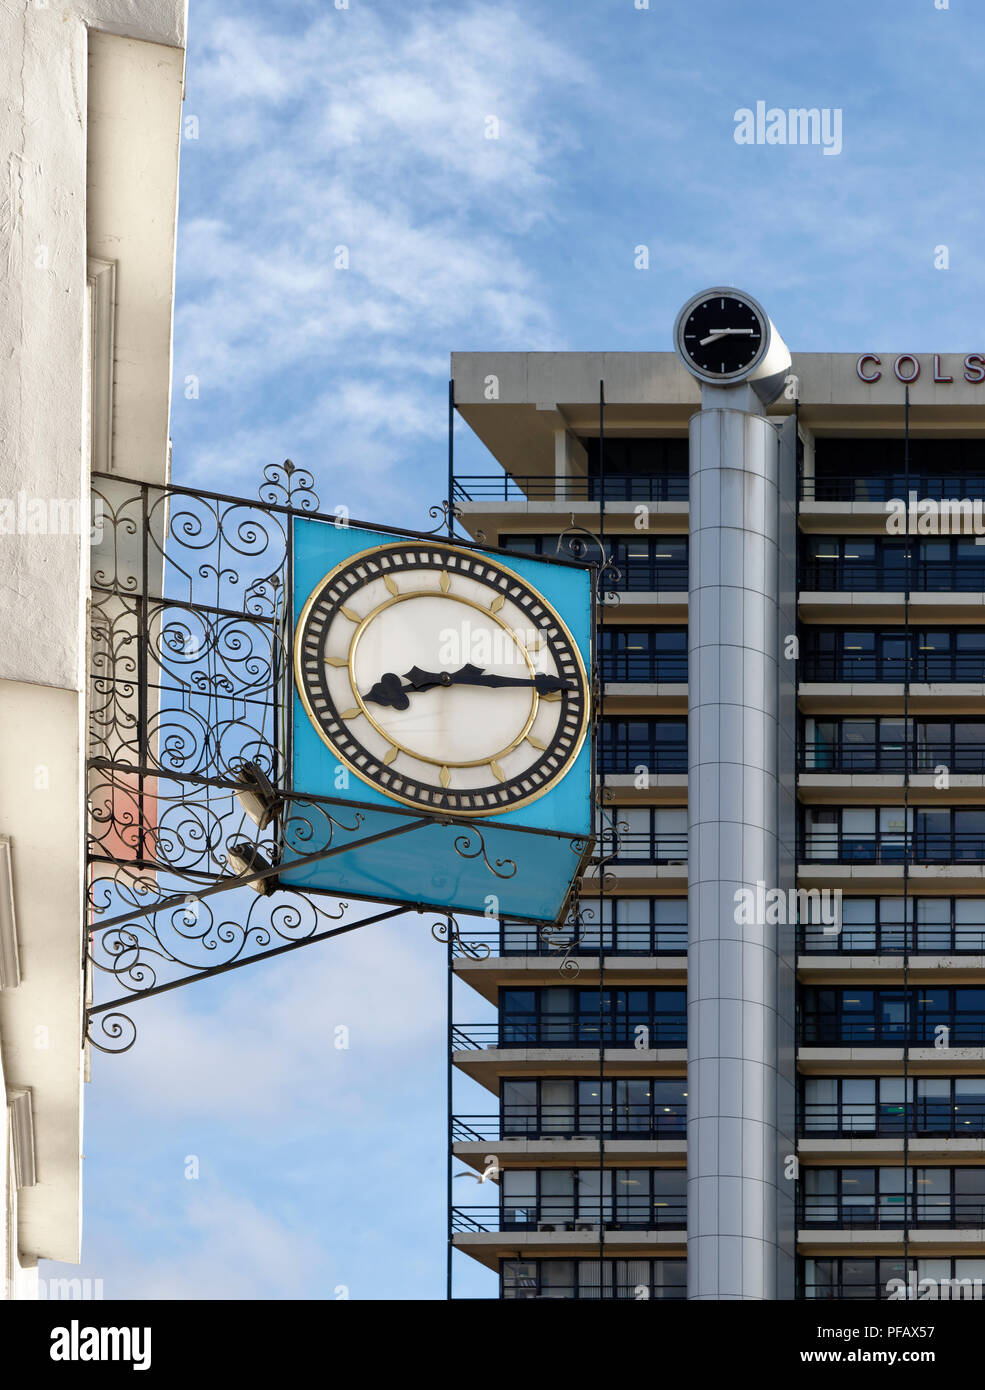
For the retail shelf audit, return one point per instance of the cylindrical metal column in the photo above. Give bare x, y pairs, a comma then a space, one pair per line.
732, 1159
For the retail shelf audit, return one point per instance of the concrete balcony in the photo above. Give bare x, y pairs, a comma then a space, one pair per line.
870, 1149
941, 879
824, 969
924, 1242
830, 517
488, 976
886, 789
658, 697
579, 1151
640, 878
486, 519
662, 789
645, 606
855, 606
490, 1247
886, 697
888, 1061
488, 1064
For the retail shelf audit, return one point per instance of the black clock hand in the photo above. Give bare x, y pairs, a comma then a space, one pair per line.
475, 675
428, 680
389, 691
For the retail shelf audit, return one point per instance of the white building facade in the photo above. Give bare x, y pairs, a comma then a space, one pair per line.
722, 1104
90, 132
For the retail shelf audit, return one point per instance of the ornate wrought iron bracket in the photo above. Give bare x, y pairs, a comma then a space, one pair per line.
120, 1030
191, 709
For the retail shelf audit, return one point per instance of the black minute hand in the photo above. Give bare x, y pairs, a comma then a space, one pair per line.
387, 691
475, 675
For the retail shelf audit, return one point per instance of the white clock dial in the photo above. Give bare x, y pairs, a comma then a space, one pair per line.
442, 677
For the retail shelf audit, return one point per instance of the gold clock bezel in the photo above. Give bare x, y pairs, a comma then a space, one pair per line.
347, 762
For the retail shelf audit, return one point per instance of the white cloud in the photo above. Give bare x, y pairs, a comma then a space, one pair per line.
367, 134
308, 1153
261, 1041
209, 1244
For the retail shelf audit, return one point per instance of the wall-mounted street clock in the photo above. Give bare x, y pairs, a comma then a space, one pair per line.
441, 677
722, 335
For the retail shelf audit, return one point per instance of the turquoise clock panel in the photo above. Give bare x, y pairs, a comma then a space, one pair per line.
550, 793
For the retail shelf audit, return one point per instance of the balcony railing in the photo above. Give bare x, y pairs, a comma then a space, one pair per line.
643, 566
852, 1288
920, 847
821, 755
836, 487
644, 847
640, 668
924, 1116
966, 575
619, 487
645, 575
560, 1214
820, 1030
891, 1211
572, 1030
892, 938
630, 1285
622, 755
624, 939
870, 668
569, 1122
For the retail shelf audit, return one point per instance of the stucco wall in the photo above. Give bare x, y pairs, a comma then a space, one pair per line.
90, 134
42, 245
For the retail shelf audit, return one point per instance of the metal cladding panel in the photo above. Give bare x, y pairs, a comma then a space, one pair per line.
786, 820
736, 1190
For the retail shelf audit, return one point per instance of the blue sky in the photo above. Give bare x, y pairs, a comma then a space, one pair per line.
366, 128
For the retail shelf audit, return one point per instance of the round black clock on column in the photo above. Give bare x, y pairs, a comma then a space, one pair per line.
740, 1039
722, 335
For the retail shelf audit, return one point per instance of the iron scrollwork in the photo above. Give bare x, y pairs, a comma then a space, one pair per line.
448, 931
572, 540
190, 687
117, 1031
445, 514
287, 485
472, 845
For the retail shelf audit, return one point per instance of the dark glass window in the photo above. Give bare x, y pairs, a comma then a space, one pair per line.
874, 1017
644, 655
638, 456
644, 563
658, 745
553, 1016
892, 563
579, 1279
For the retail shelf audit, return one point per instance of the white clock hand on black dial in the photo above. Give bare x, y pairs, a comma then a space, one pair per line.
389, 691
717, 333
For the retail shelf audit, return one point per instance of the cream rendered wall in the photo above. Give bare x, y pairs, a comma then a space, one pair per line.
132, 192
41, 1021
18, 1273
89, 134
